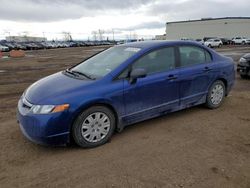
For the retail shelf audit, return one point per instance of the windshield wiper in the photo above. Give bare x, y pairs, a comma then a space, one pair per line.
83, 74
77, 74
70, 72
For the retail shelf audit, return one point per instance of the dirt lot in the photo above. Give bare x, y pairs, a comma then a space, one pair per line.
196, 147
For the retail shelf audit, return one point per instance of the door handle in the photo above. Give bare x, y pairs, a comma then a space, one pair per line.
207, 69
172, 77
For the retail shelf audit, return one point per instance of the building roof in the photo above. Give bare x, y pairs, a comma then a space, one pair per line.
209, 19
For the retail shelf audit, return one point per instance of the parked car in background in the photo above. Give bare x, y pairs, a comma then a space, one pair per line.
51, 44
81, 43
31, 46
201, 41
239, 40
4, 48
213, 43
207, 38
226, 41
20, 46
187, 39
9, 45
120, 86
243, 66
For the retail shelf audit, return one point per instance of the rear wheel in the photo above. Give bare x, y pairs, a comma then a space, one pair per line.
216, 95
243, 42
220, 45
93, 127
210, 46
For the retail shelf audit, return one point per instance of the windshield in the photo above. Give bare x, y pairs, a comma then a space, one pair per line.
101, 64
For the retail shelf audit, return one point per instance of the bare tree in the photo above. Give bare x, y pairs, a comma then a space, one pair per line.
67, 36
134, 36
101, 32
94, 33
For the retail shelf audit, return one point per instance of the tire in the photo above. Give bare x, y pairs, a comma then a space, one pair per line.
244, 76
209, 46
216, 95
243, 42
93, 127
220, 45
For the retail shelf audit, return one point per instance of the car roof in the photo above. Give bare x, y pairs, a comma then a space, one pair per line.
158, 43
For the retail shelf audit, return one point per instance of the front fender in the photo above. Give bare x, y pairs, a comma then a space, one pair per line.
98, 101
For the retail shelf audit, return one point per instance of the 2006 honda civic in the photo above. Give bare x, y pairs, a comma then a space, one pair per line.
123, 85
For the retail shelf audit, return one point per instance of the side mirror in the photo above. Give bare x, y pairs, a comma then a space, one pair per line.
137, 73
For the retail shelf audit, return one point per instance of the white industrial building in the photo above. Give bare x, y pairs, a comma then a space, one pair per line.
25, 39
160, 37
227, 27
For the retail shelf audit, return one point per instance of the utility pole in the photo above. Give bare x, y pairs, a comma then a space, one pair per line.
44, 36
113, 32
94, 33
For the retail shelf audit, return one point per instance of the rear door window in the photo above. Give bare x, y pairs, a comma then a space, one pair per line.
191, 55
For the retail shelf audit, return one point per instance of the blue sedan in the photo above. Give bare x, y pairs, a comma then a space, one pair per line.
123, 85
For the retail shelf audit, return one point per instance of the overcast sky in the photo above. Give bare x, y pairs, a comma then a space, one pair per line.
142, 18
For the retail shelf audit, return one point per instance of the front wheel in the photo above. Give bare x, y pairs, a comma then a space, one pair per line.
93, 127
216, 95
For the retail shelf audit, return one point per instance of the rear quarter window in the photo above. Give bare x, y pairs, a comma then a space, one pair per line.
208, 56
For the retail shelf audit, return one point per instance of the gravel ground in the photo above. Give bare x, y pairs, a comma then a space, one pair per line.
195, 147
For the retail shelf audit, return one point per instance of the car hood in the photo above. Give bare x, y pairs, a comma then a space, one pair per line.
54, 89
247, 56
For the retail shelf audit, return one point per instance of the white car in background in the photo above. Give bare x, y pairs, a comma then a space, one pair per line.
201, 41
213, 43
239, 40
4, 48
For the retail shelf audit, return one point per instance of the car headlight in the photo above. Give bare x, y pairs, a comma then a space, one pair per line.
243, 61
46, 109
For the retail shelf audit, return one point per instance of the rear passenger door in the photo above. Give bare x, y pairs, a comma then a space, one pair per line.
159, 90
196, 72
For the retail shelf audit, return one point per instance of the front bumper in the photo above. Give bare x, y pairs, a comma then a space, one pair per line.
243, 70
45, 129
